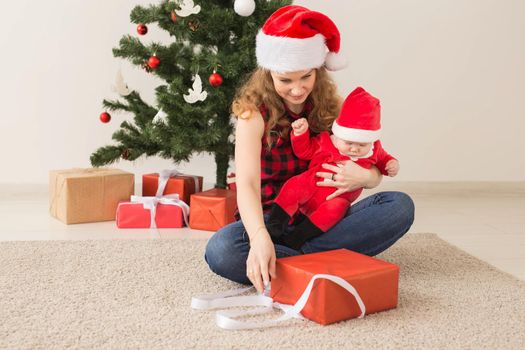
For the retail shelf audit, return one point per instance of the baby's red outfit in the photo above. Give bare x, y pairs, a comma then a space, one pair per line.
359, 121
301, 191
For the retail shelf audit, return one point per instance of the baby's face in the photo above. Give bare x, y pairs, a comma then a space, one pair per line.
351, 148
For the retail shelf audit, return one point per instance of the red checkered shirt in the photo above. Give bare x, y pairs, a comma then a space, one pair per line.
278, 163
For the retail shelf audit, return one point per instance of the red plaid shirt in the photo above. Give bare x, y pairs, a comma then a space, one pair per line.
278, 163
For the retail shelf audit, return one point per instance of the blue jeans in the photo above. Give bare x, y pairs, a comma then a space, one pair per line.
369, 227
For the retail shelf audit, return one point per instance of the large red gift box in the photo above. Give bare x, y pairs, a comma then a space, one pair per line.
210, 210
183, 185
375, 280
134, 215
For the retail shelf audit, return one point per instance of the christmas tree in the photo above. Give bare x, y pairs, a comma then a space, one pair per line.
213, 39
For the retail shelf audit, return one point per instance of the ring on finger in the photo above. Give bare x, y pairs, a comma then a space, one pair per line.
333, 174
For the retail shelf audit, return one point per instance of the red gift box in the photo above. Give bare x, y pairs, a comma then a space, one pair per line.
183, 185
139, 215
376, 282
230, 182
210, 210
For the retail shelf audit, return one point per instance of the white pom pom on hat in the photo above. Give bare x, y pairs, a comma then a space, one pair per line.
295, 38
335, 61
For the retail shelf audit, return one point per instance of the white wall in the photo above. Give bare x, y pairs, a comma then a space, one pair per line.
449, 74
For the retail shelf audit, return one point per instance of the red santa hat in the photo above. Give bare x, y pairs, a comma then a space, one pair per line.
295, 38
359, 119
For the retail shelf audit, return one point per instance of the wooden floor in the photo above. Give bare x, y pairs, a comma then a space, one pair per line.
485, 219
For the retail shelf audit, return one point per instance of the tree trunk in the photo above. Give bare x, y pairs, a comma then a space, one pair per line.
222, 160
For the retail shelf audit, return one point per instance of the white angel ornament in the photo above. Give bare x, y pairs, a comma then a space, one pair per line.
160, 116
120, 86
195, 93
188, 8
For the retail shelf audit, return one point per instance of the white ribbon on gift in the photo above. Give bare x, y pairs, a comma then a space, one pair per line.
226, 319
165, 175
170, 199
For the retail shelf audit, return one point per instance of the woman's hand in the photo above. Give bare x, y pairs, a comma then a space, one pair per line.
260, 264
346, 176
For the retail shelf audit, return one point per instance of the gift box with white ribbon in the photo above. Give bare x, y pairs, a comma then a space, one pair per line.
152, 212
375, 281
324, 287
170, 182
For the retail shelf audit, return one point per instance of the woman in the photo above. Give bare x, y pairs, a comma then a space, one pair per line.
291, 82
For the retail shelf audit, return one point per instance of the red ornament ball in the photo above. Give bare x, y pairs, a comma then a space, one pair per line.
153, 62
173, 16
142, 29
215, 79
105, 117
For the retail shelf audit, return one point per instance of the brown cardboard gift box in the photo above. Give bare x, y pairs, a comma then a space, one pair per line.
88, 195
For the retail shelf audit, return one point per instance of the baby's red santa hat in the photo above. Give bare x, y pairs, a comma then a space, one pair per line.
359, 119
295, 38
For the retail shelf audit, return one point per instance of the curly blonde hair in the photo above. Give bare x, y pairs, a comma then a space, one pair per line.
259, 90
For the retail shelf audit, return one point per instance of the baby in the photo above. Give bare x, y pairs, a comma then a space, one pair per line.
355, 137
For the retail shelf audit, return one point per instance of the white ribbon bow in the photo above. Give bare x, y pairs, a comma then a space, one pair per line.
225, 319
165, 175
152, 202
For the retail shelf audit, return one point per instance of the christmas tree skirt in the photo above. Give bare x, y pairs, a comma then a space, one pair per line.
136, 294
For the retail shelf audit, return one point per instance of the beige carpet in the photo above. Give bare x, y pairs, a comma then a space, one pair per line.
136, 294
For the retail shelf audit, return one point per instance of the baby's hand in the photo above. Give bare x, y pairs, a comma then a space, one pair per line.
392, 167
300, 126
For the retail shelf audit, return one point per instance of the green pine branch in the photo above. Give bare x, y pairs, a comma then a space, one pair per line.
215, 38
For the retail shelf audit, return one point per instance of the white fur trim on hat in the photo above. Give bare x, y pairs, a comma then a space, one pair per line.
356, 135
283, 54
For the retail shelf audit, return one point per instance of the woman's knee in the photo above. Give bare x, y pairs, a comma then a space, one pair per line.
225, 253
405, 209
408, 206
217, 249
400, 219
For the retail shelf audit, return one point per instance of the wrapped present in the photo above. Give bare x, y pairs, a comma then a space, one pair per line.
88, 195
212, 209
324, 287
230, 181
375, 281
153, 212
169, 182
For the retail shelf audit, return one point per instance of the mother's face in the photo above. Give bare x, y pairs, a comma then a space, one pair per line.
294, 87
